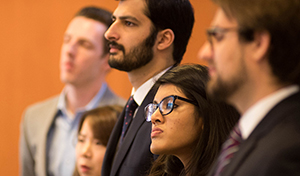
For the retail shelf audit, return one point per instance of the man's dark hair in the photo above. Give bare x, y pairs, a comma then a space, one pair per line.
100, 15
177, 15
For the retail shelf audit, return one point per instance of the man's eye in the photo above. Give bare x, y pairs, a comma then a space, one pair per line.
128, 23
218, 36
85, 44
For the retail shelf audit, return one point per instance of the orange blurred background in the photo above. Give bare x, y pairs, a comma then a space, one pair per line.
31, 34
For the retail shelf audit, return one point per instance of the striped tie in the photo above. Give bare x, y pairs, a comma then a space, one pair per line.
229, 148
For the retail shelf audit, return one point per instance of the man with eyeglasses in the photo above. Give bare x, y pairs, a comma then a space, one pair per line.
254, 64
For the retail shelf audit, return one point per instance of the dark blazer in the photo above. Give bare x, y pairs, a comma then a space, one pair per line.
133, 158
273, 148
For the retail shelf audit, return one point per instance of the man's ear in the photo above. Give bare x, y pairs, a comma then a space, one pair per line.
105, 66
261, 45
165, 39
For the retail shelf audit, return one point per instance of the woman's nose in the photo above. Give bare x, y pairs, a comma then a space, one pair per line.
156, 117
86, 150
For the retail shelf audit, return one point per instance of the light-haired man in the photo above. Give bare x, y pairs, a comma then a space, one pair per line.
49, 128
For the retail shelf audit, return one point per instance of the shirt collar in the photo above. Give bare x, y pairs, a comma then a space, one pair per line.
61, 106
257, 112
141, 92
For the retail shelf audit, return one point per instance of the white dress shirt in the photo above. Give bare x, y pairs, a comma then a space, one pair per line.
140, 94
259, 110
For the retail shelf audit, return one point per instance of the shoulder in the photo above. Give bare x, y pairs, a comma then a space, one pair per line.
110, 98
52, 101
41, 108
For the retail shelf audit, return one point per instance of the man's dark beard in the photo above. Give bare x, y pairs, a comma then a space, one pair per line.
137, 57
221, 90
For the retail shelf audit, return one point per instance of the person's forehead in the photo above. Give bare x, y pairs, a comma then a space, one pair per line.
82, 22
166, 90
131, 8
86, 27
222, 20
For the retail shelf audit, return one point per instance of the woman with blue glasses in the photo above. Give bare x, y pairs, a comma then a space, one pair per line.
188, 128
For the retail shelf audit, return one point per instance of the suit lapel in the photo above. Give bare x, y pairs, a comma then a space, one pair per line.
48, 116
275, 116
245, 149
137, 122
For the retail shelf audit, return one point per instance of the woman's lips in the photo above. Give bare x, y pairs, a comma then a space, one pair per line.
155, 132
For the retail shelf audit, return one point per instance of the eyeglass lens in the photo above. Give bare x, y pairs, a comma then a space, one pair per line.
165, 107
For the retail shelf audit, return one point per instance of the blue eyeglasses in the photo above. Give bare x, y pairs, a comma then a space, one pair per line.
165, 106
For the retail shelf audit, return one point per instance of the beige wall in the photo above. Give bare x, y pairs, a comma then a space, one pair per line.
30, 38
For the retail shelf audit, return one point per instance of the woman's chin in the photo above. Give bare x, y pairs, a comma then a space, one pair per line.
155, 150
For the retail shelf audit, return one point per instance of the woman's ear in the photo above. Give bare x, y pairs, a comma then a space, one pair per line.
165, 39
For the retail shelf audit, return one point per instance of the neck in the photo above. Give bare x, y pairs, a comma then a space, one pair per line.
139, 76
252, 93
185, 161
79, 96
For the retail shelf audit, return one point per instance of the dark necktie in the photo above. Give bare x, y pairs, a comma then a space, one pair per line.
229, 148
129, 111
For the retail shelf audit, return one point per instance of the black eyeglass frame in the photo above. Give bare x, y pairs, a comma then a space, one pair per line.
158, 105
210, 33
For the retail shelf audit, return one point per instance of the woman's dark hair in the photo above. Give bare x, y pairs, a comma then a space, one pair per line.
218, 119
102, 121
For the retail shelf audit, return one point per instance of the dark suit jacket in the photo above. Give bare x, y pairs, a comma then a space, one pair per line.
273, 148
133, 158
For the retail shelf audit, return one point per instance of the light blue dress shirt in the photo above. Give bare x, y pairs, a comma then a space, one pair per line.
62, 137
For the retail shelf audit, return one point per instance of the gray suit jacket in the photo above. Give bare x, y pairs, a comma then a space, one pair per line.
36, 122
273, 148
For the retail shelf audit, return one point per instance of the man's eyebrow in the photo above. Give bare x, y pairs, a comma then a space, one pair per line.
126, 18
